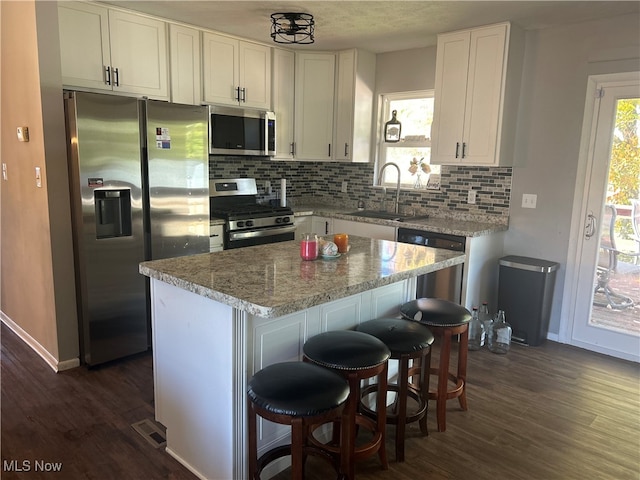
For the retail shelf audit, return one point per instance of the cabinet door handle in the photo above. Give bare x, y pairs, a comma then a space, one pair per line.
107, 74
464, 146
326, 228
237, 93
293, 149
244, 95
116, 77
457, 148
329, 149
346, 149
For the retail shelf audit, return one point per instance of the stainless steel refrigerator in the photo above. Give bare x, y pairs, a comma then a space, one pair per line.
140, 191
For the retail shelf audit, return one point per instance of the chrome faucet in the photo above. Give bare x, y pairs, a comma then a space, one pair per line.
397, 201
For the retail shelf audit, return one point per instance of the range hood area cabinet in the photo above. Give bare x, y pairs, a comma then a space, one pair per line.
235, 72
334, 106
478, 75
106, 49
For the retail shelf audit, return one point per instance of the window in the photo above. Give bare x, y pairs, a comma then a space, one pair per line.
415, 113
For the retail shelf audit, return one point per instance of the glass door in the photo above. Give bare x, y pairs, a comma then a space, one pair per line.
606, 317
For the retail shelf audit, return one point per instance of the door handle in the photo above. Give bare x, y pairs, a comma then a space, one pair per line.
107, 72
591, 226
457, 149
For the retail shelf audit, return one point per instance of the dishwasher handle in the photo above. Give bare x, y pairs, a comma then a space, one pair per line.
432, 239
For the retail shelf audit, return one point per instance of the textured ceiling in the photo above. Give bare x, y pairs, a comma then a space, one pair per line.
378, 26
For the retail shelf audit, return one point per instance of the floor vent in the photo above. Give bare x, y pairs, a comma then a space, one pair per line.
152, 432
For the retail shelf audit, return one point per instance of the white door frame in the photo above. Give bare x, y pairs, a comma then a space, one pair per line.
572, 298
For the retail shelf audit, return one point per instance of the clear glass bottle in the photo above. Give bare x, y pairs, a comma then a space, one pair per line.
486, 319
500, 340
476, 331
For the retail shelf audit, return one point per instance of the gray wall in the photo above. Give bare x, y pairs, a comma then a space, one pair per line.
557, 64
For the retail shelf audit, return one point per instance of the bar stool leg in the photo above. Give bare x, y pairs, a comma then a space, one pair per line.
403, 384
297, 442
348, 427
423, 387
443, 379
382, 415
462, 367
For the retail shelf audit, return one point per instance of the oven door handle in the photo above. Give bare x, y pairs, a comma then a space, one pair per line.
266, 232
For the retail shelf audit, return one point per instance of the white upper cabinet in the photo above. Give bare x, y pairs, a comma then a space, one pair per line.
315, 78
355, 85
236, 72
105, 49
282, 97
478, 75
334, 105
185, 60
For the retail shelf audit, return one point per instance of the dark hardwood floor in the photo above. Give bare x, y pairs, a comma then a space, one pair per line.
548, 412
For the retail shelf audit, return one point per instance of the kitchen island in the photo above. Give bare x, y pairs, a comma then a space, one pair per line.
218, 318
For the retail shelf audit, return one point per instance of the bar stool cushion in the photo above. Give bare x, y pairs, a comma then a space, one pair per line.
346, 350
297, 389
435, 312
398, 334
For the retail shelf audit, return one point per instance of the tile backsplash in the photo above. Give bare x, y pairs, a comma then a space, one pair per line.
321, 183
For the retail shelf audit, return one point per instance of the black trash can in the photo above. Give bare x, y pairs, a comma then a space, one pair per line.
525, 293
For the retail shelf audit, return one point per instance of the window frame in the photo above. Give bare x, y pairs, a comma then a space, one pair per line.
382, 146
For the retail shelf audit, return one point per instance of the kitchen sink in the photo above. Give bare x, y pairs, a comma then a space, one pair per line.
386, 215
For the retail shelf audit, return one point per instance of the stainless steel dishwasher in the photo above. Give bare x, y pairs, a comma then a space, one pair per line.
446, 283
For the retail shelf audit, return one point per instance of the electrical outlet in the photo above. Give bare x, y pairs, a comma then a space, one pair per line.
267, 186
345, 184
471, 196
529, 200
38, 178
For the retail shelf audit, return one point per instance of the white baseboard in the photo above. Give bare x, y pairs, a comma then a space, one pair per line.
39, 349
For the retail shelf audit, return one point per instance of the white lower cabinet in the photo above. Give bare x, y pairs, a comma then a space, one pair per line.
362, 229
322, 225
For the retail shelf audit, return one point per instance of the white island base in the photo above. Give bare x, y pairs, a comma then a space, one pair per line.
205, 352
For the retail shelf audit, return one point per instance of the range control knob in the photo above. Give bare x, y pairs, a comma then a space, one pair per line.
286, 220
279, 220
240, 224
249, 223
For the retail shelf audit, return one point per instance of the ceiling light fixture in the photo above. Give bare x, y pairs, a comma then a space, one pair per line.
292, 28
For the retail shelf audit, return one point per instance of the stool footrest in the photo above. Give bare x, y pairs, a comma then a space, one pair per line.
392, 417
451, 393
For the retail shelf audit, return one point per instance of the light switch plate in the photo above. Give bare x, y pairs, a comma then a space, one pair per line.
529, 200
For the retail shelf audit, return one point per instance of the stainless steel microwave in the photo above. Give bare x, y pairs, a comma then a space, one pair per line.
238, 131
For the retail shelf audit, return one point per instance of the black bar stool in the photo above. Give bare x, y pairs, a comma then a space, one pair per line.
297, 394
356, 356
407, 341
445, 319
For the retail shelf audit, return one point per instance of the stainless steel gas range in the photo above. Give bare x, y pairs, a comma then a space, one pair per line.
248, 222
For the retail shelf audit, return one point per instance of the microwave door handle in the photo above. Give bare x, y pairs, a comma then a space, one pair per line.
265, 144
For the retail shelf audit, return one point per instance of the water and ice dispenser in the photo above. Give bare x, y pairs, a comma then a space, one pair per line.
113, 213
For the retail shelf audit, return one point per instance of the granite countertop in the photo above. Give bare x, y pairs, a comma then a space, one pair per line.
450, 226
272, 280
